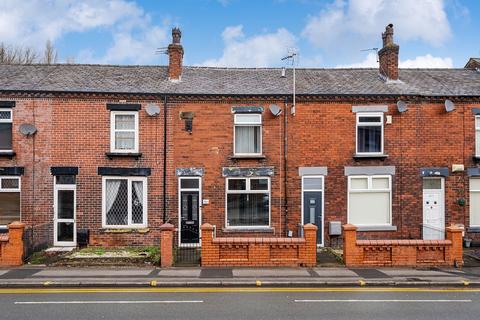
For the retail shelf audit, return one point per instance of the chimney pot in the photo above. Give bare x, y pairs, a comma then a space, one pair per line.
175, 56
388, 55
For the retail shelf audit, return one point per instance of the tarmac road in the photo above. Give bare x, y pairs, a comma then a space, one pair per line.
239, 303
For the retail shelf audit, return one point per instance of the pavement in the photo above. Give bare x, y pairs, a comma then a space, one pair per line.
42, 276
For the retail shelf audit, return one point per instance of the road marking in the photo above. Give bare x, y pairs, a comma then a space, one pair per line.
375, 300
110, 302
222, 289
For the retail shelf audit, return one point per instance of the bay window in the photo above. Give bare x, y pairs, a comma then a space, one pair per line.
248, 134
9, 200
248, 202
369, 200
369, 133
124, 202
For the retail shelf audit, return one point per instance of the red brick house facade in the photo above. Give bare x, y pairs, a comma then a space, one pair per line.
118, 150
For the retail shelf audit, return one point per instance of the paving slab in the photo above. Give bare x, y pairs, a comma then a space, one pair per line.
245, 273
413, 273
90, 273
187, 273
335, 272
2, 272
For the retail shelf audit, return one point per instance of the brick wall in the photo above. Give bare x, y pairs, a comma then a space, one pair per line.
258, 252
11, 245
402, 253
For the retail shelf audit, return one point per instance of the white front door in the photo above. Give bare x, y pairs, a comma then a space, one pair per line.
433, 209
65, 233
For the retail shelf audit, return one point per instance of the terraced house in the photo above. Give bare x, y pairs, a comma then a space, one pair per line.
104, 154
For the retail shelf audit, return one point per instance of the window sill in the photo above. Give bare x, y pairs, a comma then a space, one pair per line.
357, 156
112, 155
7, 154
246, 156
376, 228
473, 229
125, 230
248, 230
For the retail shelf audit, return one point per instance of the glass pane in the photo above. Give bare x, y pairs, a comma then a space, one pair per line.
125, 121
432, 184
237, 184
247, 139
137, 202
65, 203
5, 115
477, 142
359, 183
475, 184
10, 183
189, 183
369, 139
247, 209
5, 136
370, 119
125, 140
9, 207
477, 122
371, 208
380, 183
312, 183
116, 197
258, 184
475, 208
65, 179
65, 231
248, 119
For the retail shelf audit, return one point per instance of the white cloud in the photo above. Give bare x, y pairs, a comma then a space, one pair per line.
32, 23
356, 20
426, 61
256, 51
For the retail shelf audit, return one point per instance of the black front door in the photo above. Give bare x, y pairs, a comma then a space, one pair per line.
189, 226
312, 211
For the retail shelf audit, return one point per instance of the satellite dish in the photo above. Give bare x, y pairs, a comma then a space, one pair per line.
27, 129
152, 109
275, 110
449, 105
401, 106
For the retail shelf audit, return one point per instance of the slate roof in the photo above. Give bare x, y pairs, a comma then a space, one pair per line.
235, 81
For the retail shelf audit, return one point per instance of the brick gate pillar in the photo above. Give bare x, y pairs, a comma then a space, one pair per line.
454, 234
166, 245
13, 250
310, 234
349, 244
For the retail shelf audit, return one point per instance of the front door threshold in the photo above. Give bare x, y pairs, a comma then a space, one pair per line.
60, 249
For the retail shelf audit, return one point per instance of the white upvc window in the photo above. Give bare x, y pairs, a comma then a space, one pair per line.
370, 200
6, 122
124, 131
369, 133
475, 202
247, 202
247, 134
124, 202
9, 199
477, 136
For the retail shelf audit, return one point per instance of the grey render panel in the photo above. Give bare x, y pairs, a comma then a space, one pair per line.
434, 172
305, 171
247, 172
473, 172
370, 170
476, 111
247, 109
377, 228
372, 108
189, 172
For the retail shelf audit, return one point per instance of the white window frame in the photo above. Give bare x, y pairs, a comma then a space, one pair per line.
477, 130
248, 191
19, 189
130, 225
200, 205
7, 121
470, 199
113, 114
322, 190
56, 188
370, 189
248, 124
370, 124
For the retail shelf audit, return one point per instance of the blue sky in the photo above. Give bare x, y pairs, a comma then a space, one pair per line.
243, 33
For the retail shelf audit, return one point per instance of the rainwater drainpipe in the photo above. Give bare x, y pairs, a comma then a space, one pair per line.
285, 168
165, 158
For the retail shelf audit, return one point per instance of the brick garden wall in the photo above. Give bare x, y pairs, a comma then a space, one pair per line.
11, 245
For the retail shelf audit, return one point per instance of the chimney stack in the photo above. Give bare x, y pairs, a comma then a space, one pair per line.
388, 55
175, 56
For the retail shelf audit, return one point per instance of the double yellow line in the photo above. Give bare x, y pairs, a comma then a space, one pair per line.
223, 290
